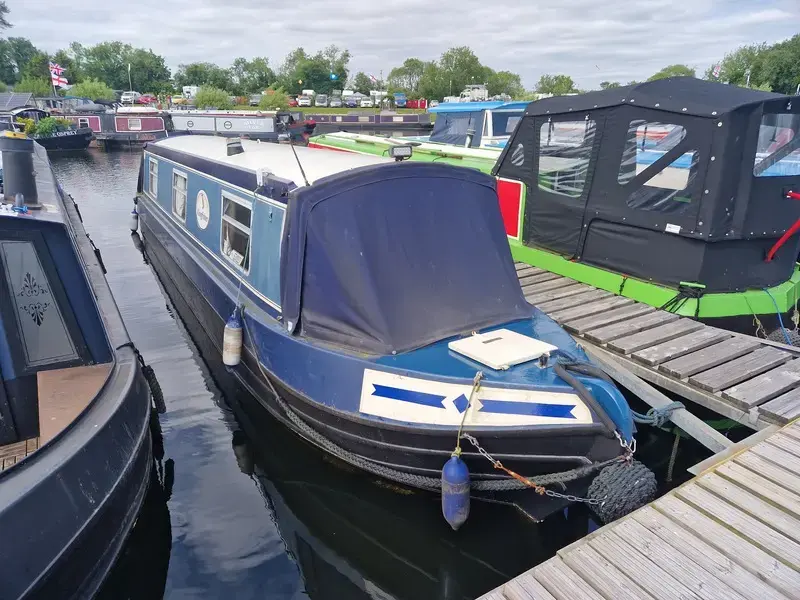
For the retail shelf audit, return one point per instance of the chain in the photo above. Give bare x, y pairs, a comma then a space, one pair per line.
539, 489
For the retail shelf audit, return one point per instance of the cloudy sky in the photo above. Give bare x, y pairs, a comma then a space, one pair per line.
591, 40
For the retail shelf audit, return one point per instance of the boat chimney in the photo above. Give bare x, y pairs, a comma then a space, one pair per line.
470, 135
19, 178
235, 146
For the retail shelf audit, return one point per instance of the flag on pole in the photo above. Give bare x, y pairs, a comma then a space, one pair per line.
716, 71
373, 78
57, 75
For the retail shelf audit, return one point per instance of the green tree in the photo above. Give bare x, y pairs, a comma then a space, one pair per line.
8, 69
212, 97
252, 76
149, 72
460, 67
607, 85
4, 24
37, 87
108, 62
505, 82
71, 70
204, 74
94, 89
362, 83
433, 83
301, 71
781, 66
558, 85
406, 78
673, 71
21, 51
38, 67
274, 99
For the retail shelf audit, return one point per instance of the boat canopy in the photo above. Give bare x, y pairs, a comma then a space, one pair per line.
392, 257
454, 107
676, 180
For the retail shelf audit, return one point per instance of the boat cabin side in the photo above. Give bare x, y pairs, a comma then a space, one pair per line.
478, 125
669, 184
239, 229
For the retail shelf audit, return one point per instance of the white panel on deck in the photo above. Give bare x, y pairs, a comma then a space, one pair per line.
501, 349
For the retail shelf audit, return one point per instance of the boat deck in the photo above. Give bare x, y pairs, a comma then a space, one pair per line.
753, 381
11, 454
733, 533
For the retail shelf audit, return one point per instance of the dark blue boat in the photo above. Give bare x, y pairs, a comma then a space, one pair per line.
381, 312
75, 442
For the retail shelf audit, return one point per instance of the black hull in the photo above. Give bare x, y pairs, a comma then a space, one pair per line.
410, 450
66, 143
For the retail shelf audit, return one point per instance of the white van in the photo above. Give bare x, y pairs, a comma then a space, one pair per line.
129, 97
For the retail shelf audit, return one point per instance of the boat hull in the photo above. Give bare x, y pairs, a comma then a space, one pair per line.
65, 141
411, 450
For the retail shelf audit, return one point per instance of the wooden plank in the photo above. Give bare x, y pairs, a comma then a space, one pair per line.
740, 369
786, 443
777, 456
606, 303
493, 595
608, 333
7, 462
14, 449
699, 430
584, 324
521, 266
793, 430
602, 575
575, 288
64, 394
705, 556
656, 335
525, 587
586, 299
31, 445
783, 408
735, 547
532, 278
765, 386
681, 346
710, 357
562, 582
674, 562
775, 473
763, 536
537, 288
761, 487
649, 576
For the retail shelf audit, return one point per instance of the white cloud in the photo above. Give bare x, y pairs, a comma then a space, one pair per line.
590, 40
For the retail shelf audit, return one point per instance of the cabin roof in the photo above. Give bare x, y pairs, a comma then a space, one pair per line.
277, 158
684, 95
446, 107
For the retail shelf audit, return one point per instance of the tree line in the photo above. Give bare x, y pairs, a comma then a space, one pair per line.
99, 69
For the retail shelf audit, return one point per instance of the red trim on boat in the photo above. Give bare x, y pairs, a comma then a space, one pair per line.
509, 194
320, 147
789, 232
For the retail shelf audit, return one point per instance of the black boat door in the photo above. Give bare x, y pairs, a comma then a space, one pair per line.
561, 151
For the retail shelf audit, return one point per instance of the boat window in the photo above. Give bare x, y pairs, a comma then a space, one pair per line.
153, 177
235, 230
504, 123
135, 124
83, 122
179, 195
43, 333
667, 190
565, 149
778, 149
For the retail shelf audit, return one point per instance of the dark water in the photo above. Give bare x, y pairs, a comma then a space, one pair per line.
249, 511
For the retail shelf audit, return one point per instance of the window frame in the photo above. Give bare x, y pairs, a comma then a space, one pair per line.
588, 181
152, 174
83, 122
176, 173
248, 231
131, 127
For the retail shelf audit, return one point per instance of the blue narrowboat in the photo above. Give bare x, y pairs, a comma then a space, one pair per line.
75, 437
372, 306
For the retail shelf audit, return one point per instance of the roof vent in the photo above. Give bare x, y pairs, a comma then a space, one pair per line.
235, 146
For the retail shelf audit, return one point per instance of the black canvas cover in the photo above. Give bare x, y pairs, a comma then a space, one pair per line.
392, 257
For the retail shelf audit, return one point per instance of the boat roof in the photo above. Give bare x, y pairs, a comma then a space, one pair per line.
446, 107
276, 158
684, 95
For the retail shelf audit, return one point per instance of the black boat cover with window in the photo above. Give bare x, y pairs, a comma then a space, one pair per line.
392, 257
675, 180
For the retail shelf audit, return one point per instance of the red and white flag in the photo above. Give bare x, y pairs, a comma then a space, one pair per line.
57, 75
59, 81
716, 71
373, 79
56, 69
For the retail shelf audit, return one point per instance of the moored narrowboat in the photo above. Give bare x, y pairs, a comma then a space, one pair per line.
125, 125
372, 306
678, 193
75, 439
62, 137
255, 125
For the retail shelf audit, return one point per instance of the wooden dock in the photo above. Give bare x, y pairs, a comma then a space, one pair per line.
732, 533
753, 381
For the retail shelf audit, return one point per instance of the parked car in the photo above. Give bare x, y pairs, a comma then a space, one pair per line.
352, 102
336, 102
434, 103
292, 102
321, 100
130, 97
366, 103
146, 99
304, 101
254, 99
